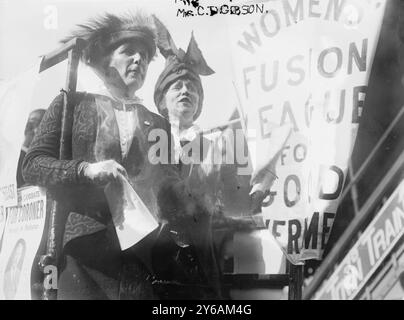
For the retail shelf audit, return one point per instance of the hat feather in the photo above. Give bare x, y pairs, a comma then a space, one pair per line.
165, 42
98, 31
195, 58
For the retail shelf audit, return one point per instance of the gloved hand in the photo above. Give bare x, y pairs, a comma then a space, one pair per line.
102, 172
263, 179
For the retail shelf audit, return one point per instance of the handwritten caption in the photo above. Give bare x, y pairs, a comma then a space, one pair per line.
192, 8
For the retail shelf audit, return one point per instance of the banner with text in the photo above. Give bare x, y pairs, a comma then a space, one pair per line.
305, 64
22, 236
379, 238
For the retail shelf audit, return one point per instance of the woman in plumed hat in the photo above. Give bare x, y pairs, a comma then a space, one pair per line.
109, 138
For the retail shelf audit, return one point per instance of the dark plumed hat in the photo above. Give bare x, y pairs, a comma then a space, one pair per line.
179, 64
108, 31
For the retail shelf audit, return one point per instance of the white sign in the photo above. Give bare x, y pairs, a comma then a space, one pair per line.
306, 64
132, 220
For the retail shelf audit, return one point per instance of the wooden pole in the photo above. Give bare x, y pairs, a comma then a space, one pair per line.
58, 213
295, 281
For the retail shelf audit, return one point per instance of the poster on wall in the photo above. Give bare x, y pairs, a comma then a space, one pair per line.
22, 236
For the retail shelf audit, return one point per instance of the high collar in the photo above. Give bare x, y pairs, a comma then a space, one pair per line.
120, 103
103, 90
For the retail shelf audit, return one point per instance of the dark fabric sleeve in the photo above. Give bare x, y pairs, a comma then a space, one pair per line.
41, 165
20, 179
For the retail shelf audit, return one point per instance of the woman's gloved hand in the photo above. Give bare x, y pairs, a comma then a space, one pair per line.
102, 172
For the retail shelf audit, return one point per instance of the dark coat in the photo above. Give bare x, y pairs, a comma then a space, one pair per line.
95, 137
19, 178
190, 264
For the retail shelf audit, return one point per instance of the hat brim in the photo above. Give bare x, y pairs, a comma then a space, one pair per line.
120, 37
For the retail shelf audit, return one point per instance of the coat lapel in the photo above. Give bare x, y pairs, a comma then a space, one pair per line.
136, 158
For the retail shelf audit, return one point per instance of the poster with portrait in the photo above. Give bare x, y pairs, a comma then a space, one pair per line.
305, 64
22, 236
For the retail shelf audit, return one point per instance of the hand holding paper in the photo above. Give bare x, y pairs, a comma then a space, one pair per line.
103, 172
132, 219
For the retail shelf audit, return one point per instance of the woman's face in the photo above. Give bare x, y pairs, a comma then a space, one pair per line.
182, 100
128, 65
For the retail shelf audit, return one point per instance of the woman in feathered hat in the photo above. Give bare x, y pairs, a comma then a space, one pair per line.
109, 139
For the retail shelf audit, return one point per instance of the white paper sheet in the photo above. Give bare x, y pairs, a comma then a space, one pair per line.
132, 219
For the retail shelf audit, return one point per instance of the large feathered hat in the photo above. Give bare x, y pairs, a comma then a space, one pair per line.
108, 31
179, 64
